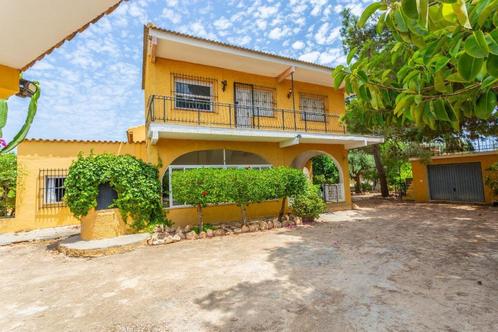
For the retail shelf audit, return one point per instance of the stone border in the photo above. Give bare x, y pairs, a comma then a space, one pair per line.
167, 235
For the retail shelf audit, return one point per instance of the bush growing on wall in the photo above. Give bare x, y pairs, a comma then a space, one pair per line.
200, 187
8, 179
136, 183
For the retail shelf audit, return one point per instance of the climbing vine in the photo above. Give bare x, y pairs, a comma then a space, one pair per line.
136, 183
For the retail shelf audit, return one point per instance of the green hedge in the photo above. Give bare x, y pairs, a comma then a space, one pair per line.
203, 186
136, 182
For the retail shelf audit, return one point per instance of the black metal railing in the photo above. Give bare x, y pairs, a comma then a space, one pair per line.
198, 112
477, 145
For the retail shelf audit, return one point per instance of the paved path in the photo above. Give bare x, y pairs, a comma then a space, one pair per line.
384, 267
39, 235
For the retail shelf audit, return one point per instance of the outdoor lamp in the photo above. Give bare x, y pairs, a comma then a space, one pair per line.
26, 88
224, 85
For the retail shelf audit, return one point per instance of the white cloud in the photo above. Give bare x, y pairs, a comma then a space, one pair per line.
171, 15
298, 45
310, 57
266, 12
278, 33
325, 35
222, 23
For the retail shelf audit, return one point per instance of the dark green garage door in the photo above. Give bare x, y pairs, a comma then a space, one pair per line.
456, 182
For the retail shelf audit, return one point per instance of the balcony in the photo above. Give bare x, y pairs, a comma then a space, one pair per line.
201, 119
204, 113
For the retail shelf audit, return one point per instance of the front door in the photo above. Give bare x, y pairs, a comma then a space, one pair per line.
244, 105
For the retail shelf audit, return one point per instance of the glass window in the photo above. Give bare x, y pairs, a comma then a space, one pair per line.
193, 95
312, 108
54, 189
263, 102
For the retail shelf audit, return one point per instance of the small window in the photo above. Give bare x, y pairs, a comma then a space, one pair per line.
54, 189
193, 95
312, 108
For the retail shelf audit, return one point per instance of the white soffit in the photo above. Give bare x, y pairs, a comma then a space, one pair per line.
176, 46
166, 131
29, 29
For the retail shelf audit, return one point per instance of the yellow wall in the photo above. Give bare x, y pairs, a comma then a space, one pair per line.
420, 184
136, 134
158, 81
168, 150
36, 155
9, 81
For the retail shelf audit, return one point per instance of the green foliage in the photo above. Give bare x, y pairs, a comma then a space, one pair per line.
137, 185
324, 170
360, 163
309, 204
438, 70
492, 178
8, 178
21, 135
205, 228
203, 186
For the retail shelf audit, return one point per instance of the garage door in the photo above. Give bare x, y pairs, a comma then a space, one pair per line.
456, 182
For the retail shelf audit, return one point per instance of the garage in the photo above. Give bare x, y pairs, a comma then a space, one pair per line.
456, 182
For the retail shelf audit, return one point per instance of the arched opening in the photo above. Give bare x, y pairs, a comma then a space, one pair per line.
220, 158
324, 170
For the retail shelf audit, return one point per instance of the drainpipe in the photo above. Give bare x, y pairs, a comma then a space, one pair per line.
293, 101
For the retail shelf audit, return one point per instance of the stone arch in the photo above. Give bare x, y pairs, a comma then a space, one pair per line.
303, 158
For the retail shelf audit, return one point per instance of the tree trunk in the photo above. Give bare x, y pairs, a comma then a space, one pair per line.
357, 185
244, 214
199, 218
282, 209
384, 189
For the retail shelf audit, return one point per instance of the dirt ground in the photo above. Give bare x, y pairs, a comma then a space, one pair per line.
386, 266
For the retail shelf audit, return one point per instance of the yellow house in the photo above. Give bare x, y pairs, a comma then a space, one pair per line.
207, 104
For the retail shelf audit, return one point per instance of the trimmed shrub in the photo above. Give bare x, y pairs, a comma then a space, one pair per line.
285, 182
309, 204
199, 187
136, 183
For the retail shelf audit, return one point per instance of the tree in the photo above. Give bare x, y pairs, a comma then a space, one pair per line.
284, 182
21, 135
447, 52
324, 170
199, 187
359, 163
8, 178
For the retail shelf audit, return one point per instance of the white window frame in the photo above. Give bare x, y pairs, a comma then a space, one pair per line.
185, 96
185, 167
50, 192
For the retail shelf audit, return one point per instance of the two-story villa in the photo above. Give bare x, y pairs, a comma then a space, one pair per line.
207, 104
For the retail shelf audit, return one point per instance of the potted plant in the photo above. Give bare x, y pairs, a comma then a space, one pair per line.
309, 204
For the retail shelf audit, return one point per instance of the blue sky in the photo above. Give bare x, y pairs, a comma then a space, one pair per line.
91, 85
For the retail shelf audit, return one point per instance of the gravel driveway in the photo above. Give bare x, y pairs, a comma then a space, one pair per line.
385, 266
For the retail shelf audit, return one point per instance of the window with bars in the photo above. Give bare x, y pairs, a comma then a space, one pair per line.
193, 93
52, 187
260, 101
312, 107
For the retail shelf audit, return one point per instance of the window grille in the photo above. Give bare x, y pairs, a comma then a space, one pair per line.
258, 101
312, 107
193, 93
51, 184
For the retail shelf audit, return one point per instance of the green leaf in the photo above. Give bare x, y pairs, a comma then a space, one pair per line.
369, 11
351, 55
4, 109
439, 110
469, 67
409, 8
495, 19
488, 82
460, 9
486, 12
423, 8
486, 104
476, 45
439, 82
400, 22
492, 65
492, 44
339, 76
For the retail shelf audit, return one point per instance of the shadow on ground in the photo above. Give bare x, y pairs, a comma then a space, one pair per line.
385, 266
